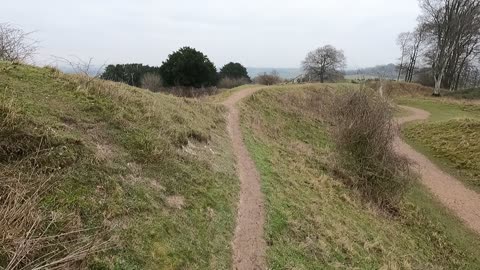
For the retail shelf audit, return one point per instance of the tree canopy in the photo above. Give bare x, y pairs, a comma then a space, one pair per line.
188, 67
234, 71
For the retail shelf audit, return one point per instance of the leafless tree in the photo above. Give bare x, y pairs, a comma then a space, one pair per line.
80, 66
454, 28
16, 44
403, 41
416, 40
324, 61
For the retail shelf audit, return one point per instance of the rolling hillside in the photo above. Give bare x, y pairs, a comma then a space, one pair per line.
101, 175
314, 220
145, 180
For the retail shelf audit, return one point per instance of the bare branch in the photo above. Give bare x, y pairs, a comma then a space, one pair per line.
16, 44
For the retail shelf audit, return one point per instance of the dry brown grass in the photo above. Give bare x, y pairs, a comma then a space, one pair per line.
30, 236
395, 89
363, 133
152, 82
34, 239
229, 83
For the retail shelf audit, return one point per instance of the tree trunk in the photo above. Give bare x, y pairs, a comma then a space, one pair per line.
438, 85
400, 70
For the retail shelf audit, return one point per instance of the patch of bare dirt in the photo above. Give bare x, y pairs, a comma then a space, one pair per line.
176, 202
248, 244
465, 203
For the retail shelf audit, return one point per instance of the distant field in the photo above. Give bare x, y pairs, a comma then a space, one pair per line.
314, 221
285, 73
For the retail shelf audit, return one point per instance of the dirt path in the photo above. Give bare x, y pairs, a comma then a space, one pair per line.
249, 243
464, 202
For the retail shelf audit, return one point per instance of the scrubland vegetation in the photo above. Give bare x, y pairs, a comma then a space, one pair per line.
363, 133
268, 79
103, 175
314, 217
97, 173
115, 177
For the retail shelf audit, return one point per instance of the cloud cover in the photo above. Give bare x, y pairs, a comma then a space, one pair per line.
261, 33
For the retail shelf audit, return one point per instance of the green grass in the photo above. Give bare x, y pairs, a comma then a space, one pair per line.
115, 156
443, 109
315, 222
449, 138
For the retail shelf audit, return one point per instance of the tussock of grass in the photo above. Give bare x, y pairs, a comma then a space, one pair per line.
316, 222
114, 156
456, 142
449, 137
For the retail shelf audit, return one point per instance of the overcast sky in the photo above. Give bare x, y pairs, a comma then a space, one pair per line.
257, 33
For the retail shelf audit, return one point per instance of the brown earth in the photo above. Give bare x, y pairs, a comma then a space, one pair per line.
462, 201
248, 243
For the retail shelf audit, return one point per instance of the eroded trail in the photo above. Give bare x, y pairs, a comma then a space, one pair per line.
464, 202
249, 243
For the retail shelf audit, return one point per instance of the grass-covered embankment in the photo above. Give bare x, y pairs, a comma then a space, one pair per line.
148, 177
450, 137
315, 222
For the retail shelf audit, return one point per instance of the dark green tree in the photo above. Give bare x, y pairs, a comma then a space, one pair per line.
131, 74
188, 67
234, 71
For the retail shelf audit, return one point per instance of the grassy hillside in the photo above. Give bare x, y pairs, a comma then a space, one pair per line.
314, 221
89, 165
450, 138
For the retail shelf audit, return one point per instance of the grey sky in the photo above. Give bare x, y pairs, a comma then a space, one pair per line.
257, 33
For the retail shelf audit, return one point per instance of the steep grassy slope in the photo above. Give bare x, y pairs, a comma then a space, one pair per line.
149, 174
315, 222
450, 138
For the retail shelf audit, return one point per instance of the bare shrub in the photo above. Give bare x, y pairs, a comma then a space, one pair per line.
28, 239
228, 83
363, 132
82, 68
190, 92
15, 44
152, 82
268, 79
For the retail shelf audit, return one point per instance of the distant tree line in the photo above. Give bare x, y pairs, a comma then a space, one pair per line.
186, 67
445, 45
131, 74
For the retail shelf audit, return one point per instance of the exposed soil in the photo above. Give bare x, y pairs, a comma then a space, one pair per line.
464, 202
248, 243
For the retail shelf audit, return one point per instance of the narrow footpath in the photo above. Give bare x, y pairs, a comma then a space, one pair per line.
249, 242
462, 201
